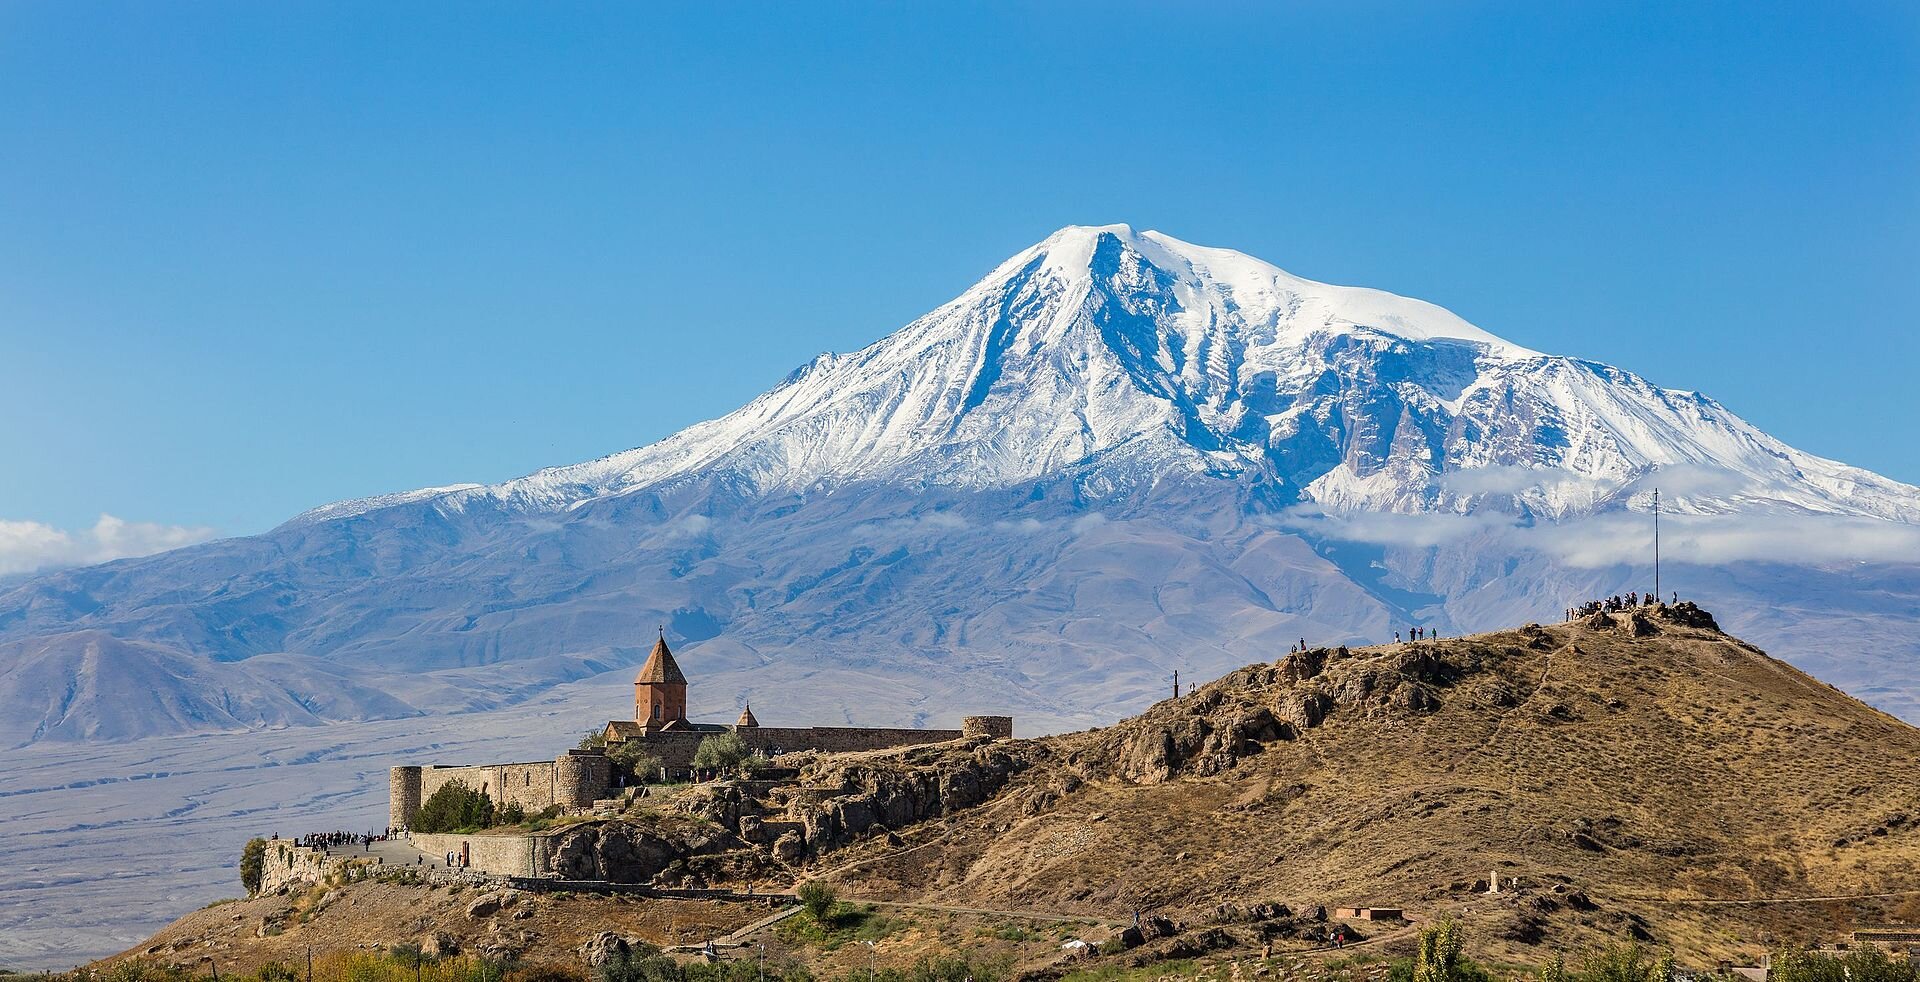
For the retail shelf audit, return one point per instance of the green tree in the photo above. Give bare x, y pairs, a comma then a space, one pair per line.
1859, 965
1554, 971
818, 898
253, 864
633, 760
1439, 953
1628, 961
722, 752
455, 807
593, 740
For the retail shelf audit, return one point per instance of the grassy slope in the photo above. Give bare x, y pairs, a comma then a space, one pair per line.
1642, 771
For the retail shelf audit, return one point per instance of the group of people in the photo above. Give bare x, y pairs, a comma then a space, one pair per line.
1417, 634
326, 842
1614, 603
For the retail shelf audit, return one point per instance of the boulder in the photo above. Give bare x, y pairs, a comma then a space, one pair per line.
789, 848
439, 944
1303, 709
604, 949
485, 906
1303, 665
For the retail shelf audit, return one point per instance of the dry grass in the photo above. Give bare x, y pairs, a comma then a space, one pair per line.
1648, 773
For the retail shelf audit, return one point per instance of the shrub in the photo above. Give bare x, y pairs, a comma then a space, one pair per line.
140, 971
253, 864
818, 898
1627, 962
1439, 955
513, 814
454, 807
594, 740
1859, 965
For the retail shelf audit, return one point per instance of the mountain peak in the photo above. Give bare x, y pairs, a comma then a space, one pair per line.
1205, 276
1116, 359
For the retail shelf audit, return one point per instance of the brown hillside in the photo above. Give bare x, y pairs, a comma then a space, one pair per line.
1633, 765
1634, 774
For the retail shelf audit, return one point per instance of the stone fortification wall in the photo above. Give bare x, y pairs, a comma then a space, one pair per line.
287, 864
576, 780
676, 750
991, 727
840, 739
502, 855
530, 785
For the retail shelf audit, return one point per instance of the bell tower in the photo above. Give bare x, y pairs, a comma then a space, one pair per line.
659, 691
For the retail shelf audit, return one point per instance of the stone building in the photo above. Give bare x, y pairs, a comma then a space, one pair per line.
578, 778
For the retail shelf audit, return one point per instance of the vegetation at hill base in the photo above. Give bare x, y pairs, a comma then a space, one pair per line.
818, 898
643, 964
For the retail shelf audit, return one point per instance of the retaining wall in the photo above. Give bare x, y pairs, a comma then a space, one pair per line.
501, 855
287, 864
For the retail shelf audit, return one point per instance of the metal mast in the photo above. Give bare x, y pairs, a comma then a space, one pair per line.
1656, 544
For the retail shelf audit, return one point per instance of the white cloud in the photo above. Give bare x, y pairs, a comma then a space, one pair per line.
1627, 537
1512, 479
29, 546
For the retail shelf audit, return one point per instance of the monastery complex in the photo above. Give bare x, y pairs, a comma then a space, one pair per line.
578, 778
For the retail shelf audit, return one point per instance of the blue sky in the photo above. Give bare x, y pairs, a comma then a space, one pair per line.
257, 257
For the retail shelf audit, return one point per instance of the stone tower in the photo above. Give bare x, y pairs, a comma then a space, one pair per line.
403, 795
660, 691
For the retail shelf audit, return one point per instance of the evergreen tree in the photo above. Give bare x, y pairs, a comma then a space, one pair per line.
455, 807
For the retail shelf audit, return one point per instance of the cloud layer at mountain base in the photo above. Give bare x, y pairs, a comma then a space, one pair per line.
1616, 538
28, 546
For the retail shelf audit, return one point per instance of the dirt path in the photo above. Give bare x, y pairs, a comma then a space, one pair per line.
1710, 902
989, 912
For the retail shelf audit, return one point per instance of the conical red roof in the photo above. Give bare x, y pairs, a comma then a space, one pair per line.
660, 666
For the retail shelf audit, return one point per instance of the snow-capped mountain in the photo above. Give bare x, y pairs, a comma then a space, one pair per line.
1123, 356
1116, 455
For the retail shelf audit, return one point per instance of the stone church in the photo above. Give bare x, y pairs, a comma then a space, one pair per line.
578, 778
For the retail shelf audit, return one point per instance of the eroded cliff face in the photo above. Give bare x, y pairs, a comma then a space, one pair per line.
617, 852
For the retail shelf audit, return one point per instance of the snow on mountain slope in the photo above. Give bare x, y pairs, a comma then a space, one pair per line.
1125, 356
1116, 454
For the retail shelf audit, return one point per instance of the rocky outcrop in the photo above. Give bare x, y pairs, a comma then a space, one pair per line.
623, 852
842, 798
606, 948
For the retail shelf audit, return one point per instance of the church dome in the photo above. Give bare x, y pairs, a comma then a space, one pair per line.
746, 717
